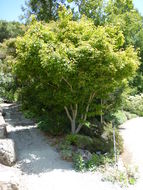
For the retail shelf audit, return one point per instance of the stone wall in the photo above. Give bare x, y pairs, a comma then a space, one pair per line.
7, 146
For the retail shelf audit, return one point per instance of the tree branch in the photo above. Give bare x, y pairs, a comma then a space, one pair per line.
84, 117
68, 114
76, 108
87, 108
68, 84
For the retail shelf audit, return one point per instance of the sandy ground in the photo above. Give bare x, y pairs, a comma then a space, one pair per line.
40, 164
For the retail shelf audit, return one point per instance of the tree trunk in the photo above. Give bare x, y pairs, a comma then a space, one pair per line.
101, 114
73, 126
72, 113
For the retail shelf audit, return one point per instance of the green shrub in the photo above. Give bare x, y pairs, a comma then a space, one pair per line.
66, 154
130, 115
66, 150
80, 141
93, 164
134, 104
119, 117
7, 86
124, 178
79, 163
117, 176
108, 137
53, 126
28, 114
94, 144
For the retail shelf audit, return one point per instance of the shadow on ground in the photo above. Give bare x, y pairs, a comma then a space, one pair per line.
13, 116
35, 155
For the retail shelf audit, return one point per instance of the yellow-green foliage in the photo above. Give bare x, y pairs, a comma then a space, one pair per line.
69, 63
134, 104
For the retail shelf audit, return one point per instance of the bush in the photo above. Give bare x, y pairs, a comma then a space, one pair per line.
86, 142
53, 125
103, 144
96, 161
108, 137
62, 68
130, 115
134, 104
79, 163
66, 154
7, 87
95, 129
80, 141
119, 117
124, 178
91, 165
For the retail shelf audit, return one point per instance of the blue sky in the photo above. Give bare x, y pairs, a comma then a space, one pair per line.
11, 9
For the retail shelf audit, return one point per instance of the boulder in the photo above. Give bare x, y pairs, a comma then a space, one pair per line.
3, 131
7, 152
2, 113
86, 155
8, 186
2, 121
10, 178
3, 125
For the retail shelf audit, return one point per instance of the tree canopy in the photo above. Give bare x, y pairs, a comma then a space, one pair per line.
70, 63
46, 10
10, 30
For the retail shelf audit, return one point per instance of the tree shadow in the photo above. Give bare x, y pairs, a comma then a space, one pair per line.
13, 116
34, 154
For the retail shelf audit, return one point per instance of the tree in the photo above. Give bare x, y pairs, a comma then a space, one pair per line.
93, 9
45, 10
122, 13
7, 79
10, 30
69, 64
8, 33
137, 83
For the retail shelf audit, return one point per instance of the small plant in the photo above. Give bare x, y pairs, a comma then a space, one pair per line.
66, 154
79, 163
66, 151
116, 176
64, 145
93, 164
90, 166
132, 174
124, 178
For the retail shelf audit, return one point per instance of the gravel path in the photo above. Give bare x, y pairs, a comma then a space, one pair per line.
40, 164
132, 133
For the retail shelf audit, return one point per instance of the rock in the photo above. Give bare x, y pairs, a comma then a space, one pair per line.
3, 125
7, 152
2, 121
86, 155
2, 113
10, 178
8, 186
3, 131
